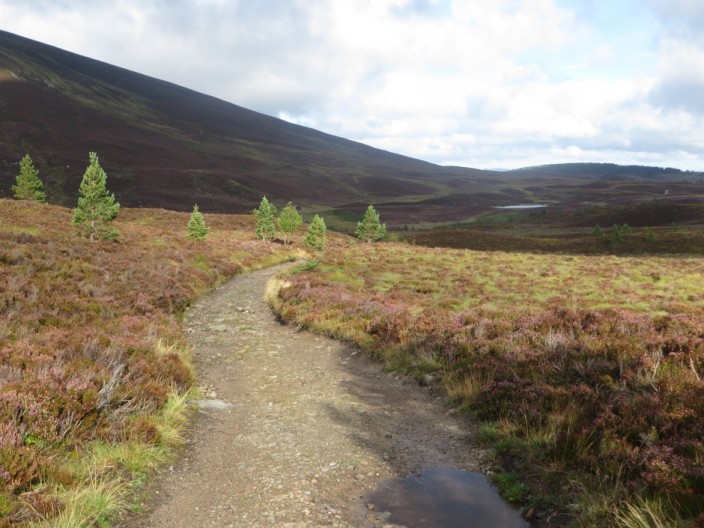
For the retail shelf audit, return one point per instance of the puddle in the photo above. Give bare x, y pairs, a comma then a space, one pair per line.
441, 497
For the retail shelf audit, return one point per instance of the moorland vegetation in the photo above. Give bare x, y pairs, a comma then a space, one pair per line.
94, 370
586, 371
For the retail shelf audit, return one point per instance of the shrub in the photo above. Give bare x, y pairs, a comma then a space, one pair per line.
28, 186
589, 365
265, 226
315, 237
196, 225
289, 221
96, 206
370, 229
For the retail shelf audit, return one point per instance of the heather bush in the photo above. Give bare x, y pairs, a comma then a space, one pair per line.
590, 366
90, 340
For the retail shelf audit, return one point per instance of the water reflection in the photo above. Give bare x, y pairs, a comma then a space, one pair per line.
442, 497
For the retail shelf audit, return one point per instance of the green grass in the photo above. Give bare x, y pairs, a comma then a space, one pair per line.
93, 503
510, 486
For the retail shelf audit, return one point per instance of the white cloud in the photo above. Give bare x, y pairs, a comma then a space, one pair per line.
475, 82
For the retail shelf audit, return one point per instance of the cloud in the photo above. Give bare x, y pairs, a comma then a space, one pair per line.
471, 82
425, 8
682, 17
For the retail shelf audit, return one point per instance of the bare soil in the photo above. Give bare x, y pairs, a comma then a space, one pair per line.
296, 429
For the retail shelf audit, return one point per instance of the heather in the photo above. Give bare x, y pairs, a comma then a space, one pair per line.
586, 370
92, 356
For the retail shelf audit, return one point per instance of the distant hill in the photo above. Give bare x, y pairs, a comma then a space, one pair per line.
166, 146
609, 171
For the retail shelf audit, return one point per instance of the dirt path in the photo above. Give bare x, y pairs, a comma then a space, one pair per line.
310, 425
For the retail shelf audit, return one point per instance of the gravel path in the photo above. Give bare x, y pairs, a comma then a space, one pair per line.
296, 429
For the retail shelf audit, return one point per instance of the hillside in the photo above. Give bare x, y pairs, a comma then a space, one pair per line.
167, 146
163, 145
611, 171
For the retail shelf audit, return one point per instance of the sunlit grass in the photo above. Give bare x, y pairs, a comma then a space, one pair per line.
93, 502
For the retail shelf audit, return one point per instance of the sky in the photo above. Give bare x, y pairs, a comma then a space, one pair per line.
477, 83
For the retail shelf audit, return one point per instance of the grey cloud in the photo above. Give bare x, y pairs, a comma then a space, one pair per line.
681, 19
680, 94
426, 8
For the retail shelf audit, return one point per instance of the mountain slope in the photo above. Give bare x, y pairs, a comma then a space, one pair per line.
164, 145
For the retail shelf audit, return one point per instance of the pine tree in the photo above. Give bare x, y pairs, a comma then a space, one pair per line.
265, 226
289, 221
196, 225
28, 186
96, 206
315, 237
370, 229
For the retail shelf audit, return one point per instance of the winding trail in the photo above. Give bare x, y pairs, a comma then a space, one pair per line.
296, 428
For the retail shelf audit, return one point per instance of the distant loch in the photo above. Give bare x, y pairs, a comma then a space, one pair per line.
521, 206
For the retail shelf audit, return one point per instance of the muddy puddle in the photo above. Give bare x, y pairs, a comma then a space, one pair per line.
441, 497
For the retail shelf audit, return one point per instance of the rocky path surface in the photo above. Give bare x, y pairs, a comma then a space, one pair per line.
295, 429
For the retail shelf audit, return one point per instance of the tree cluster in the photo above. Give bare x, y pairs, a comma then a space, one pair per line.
97, 208
288, 222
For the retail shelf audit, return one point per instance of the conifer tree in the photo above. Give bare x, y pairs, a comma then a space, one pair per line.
289, 221
315, 237
196, 225
28, 186
370, 229
96, 206
265, 226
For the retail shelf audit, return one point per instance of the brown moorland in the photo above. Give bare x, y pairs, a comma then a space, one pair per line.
93, 366
587, 370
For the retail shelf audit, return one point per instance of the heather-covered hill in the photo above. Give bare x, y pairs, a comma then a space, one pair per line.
167, 146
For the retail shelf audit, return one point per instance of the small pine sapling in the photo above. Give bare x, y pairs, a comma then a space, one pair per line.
28, 186
96, 206
315, 237
196, 225
265, 225
370, 229
289, 221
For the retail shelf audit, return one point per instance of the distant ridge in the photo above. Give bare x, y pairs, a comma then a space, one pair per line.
607, 171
